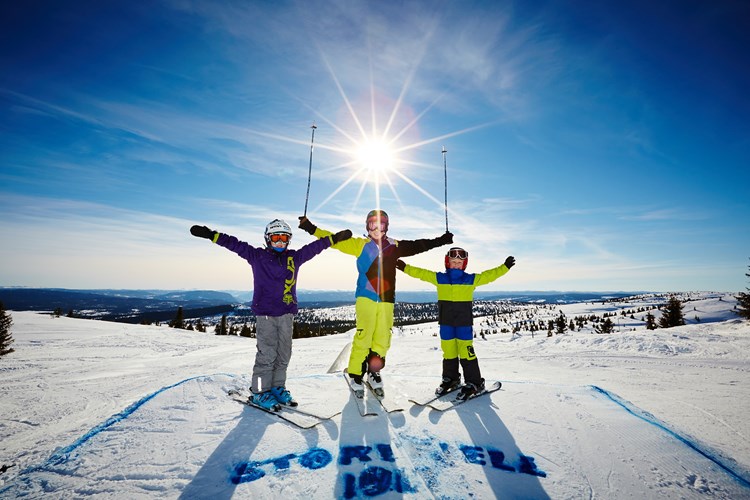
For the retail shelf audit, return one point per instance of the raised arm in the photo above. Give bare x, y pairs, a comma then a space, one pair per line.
491, 275
407, 248
417, 272
347, 245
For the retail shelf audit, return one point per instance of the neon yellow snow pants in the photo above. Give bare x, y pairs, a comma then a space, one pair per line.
374, 322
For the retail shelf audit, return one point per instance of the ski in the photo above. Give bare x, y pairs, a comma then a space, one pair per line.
389, 403
303, 420
294, 408
444, 405
432, 399
361, 402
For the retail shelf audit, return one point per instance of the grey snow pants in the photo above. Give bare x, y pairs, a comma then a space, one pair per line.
274, 341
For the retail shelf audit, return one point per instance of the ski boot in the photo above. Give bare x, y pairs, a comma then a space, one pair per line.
447, 385
355, 382
265, 400
470, 390
283, 396
376, 383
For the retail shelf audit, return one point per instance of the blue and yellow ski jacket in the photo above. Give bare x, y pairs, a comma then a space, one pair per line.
455, 291
376, 261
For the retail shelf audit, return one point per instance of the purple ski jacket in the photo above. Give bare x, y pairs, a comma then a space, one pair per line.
274, 273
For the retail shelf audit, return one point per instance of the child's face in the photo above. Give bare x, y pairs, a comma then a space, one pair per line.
375, 228
280, 240
455, 263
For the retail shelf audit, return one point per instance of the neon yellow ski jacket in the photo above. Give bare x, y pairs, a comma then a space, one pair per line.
455, 291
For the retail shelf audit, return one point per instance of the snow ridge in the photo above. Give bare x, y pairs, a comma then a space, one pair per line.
648, 417
63, 455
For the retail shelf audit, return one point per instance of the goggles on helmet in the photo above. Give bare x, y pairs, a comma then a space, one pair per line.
276, 237
457, 253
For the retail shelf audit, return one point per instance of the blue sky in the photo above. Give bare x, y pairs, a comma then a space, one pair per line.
603, 144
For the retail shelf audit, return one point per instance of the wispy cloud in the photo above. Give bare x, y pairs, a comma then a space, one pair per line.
668, 214
68, 243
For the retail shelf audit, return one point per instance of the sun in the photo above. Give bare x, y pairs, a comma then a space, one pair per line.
375, 156
383, 154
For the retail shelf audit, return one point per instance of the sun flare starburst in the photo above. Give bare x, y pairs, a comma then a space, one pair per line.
375, 156
384, 153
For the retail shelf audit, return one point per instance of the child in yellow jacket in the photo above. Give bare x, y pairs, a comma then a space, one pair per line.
455, 290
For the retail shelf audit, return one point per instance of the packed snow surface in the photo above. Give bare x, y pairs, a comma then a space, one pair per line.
96, 409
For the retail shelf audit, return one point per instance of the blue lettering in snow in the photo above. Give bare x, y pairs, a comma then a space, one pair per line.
378, 475
247, 472
528, 466
473, 454
373, 480
476, 455
362, 453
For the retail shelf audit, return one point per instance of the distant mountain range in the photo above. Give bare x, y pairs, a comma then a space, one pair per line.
548, 297
160, 305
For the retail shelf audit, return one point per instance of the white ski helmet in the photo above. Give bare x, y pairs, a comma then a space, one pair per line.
277, 226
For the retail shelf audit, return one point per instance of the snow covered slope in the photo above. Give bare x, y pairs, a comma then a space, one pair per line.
126, 411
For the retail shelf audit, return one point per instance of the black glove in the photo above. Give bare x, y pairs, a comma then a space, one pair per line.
400, 264
307, 226
446, 238
340, 236
203, 232
510, 262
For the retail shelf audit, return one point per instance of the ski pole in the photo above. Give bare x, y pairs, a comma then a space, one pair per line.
309, 168
445, 170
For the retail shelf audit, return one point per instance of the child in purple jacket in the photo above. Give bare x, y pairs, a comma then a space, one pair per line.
275, 270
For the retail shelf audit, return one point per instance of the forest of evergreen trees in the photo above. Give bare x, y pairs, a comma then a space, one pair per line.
495, 317
6, 337
743, 302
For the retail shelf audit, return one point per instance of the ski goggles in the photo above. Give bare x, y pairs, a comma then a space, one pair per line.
276, 237
374, 224
458, 253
